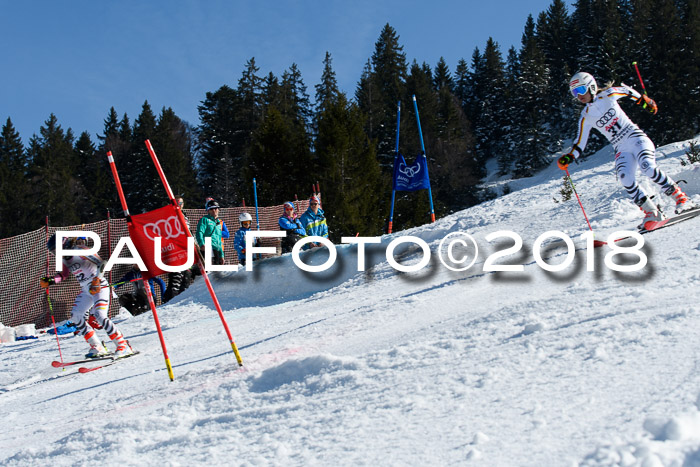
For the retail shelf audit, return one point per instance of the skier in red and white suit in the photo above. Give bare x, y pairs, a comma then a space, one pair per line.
633, 148
93, 298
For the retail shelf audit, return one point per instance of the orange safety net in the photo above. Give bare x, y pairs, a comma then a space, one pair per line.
24, 259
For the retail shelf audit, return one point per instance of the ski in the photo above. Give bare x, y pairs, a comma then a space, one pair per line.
684, 216
57, 364
114, 360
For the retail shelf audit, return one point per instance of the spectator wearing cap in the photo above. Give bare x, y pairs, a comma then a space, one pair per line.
212, 226
314, 221
292, 226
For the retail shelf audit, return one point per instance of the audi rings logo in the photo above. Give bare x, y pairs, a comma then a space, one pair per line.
165, 228
605, 118
409, 171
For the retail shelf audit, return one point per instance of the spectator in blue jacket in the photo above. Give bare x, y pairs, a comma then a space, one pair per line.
314, 220
290, 224
137, 301
246, 221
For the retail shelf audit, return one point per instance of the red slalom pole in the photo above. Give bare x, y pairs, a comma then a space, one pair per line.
579, 199
169, 191
120, 191
639, 75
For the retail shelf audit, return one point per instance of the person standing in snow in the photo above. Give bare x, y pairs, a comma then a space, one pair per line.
246, 220
137, 301
92, 299
292, 226
212, 226
633, 148
314, 221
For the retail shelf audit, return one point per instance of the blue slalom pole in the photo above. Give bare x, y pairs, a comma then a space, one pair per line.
255, 194
393, 192
422, 146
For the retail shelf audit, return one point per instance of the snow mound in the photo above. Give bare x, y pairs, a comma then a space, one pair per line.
311, 374
674, 442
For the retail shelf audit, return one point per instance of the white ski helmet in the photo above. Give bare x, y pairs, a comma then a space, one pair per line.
581, 83
245, 217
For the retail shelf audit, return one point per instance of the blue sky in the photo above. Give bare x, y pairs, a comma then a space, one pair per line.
77, 59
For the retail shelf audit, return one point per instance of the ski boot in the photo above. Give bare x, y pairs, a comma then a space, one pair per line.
682, 202
97, 347
123, 347
651, 212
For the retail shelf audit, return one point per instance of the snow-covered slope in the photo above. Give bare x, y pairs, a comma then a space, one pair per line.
385, 368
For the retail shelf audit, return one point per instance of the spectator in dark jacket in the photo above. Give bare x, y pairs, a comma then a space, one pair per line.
137, 300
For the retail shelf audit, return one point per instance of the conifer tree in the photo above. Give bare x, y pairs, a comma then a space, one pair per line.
662, 66
247, 119
280, 159
689, 75
295, 102
116, 139
94, 188
271, 92
388, 76
513, 90
13, 179
555, 40
141, 182
223, 145
454, 169
489, 112
348, 170
534, 136
327, 92
280, 156
461, 80
250, 93
442, 78
368, 99
51, 173
173, 141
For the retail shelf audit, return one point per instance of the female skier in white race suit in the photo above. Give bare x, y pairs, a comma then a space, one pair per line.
94, 295
632, 146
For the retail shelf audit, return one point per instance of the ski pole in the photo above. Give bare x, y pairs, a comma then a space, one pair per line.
642, 82
119, 283
579, 199
53, 320
296, 204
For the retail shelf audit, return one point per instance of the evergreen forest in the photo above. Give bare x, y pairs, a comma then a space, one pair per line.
508, 106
